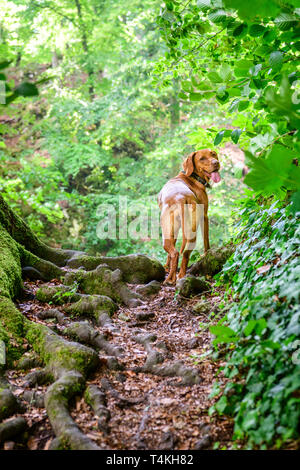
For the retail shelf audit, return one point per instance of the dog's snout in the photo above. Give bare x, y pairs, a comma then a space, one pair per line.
216, 163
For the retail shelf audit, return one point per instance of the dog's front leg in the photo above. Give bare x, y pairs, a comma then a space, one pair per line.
205, 234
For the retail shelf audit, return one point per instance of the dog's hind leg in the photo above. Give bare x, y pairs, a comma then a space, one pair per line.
167, 265
170, 227
169, 246
190, 222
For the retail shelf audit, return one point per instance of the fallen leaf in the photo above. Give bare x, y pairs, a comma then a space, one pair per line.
263, 269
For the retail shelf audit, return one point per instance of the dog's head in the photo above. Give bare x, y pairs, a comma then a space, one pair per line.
204, 163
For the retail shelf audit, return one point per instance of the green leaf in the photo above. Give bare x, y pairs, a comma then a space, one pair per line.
196, 96
204, 5
217, 16
218, 138
282, 103
268, 175
221, 404
27, 89
187, 86
5, 64
243, 105
235, 135
276, 60
249, 10
256, 30
295, 199
242, 67
214, 77
183, 96
285, 21
223, 334
225, 72
240, 30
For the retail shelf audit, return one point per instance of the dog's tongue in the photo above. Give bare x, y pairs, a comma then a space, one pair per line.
215, 177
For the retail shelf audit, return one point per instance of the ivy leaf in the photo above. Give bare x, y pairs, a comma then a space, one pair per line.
268, 175
295, 199
223, 334
221, 404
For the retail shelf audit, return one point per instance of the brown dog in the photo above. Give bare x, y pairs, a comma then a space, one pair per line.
183, 203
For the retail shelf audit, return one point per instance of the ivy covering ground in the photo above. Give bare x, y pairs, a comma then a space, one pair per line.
262, 327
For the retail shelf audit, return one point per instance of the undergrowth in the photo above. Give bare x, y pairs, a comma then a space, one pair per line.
261, 330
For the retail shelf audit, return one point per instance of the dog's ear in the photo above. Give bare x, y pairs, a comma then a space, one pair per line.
188, 164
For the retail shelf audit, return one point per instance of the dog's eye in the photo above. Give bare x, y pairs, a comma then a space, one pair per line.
202, 158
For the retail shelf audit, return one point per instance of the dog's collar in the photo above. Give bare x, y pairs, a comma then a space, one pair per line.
199, 179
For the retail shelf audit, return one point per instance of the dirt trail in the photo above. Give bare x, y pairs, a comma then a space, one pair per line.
148, 393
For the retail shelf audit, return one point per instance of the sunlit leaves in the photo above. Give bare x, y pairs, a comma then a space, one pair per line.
270, 174
284, 103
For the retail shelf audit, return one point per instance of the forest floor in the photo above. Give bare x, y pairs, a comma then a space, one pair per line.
147, 411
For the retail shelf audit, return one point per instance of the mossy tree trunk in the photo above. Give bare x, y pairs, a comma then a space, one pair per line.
68, 363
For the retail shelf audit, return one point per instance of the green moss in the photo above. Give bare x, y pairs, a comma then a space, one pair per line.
92, 305
136, 268
10, 266
57, 294
48, 270
11, 330
59, 354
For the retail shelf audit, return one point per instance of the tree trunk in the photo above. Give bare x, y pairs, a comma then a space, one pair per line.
85, 46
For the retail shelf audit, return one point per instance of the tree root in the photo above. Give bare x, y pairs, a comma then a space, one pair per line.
69, 363
59, 295
27, 362
103, 281
37, 377
92, 306
122, 402
53, 313
136, 268
11, 428
96, 399
56, 401
82, 331
8, 403
212, 262
189, 375
34, 398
